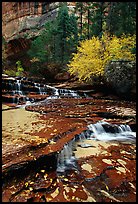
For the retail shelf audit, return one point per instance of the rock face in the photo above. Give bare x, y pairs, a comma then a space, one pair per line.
25, 18
121, 76
22, 21
105, 173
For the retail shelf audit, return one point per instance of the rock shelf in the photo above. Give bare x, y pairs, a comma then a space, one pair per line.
31, 148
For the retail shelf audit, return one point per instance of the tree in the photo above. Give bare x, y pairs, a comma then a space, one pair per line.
98, 17
4, 54
20, 69
63, 31
56, 43
94, 54
121, 18
67, 33
79, 9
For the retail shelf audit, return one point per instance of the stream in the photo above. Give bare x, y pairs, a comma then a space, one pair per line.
113, 133
61, 119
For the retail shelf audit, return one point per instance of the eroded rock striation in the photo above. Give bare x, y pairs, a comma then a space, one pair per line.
37, 136
23, 21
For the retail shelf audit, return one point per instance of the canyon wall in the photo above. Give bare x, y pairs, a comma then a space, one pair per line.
22, 22
25, 19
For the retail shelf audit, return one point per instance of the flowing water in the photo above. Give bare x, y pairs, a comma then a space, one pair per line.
101, 131
19, 90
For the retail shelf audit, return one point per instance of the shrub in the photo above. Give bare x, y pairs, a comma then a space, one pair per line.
20, 69
10, 72
93, 55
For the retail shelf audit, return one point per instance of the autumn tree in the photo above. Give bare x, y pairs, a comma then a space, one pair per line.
93, 55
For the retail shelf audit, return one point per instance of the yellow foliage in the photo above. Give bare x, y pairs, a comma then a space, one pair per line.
93, 55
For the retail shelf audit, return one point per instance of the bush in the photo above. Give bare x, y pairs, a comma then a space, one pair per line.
20, 69
93, 55
10, 72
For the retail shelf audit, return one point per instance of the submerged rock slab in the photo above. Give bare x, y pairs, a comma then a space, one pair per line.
33, 146
108, 175
31, 136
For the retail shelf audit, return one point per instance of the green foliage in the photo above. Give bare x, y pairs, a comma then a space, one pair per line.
20, 69
4, 54
93, 55
10, 72
98, 17
56, 43
67, 34
122, 18
60, 37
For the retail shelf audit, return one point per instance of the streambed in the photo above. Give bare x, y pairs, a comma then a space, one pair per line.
48, 127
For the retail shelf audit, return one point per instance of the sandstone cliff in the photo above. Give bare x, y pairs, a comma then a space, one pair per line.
25, 19
21, 22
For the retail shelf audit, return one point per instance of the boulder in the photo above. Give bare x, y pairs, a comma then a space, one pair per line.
121, 76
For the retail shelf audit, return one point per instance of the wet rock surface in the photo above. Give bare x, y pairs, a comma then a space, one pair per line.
107, 173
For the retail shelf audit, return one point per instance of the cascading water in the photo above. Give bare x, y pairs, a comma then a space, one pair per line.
102, 131
40, 88
60, 93
65, 157
18, 89
108, 132
68, 93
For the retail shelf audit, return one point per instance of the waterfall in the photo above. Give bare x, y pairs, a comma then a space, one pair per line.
68, 93
40, 88
66, 160
18, 89
102, 131
114, 133
97, 128
61, 93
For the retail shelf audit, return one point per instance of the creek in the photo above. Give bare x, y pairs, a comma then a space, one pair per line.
55, 112
101, 131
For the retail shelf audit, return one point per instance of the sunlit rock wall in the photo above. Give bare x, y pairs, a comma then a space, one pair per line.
23, 21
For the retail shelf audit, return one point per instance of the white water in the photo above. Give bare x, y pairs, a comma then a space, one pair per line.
60, 93
65, 157
42, 89
123, 132
120, 133
18, 90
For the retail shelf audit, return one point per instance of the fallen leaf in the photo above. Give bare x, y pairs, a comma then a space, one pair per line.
37, 175
65, 179
31, 189
26, 184
52, 142
32, 182
43, 171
